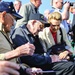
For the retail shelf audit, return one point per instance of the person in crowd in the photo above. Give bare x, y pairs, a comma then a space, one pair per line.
6, 21
52, 35
41, 59
17, 5
7, 52
72, 10
46, 13
57, 6
27, 9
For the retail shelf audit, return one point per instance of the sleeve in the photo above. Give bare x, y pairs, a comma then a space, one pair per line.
23, 12
2, 57
1, 26
18, 38
68, 47
36, 60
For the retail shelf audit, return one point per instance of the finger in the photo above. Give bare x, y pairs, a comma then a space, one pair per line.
11, 71
3, 13
4, 74
67, 57
12, 65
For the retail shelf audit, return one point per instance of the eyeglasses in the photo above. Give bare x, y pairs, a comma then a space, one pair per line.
61, 2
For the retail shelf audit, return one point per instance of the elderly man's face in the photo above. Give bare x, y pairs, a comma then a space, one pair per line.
55, 25
36, 27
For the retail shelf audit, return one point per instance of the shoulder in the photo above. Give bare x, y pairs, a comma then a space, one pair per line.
63, 29
27, 5
44, 32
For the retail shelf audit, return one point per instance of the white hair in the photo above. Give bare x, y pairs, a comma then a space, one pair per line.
16, 1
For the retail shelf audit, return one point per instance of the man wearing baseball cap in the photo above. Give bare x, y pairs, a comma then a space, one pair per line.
8, 7
7, 15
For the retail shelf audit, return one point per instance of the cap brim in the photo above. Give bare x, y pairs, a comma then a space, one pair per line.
46, 24
42, 21
17, 16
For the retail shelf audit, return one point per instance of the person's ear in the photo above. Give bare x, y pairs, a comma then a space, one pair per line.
2, 17
33, 22
4, 13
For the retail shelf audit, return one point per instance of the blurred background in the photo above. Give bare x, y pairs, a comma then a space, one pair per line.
46, 4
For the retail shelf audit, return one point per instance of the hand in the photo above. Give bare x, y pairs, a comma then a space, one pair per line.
2, 17
64, 55
26, 49
33, 71
66, 6
7, 68
55, 58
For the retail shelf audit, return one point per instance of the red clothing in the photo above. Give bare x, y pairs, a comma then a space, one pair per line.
54, 34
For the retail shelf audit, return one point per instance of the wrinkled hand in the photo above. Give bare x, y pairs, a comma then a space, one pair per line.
7, 68
2, 15
26, 49
55, 58
33, 71
64, 55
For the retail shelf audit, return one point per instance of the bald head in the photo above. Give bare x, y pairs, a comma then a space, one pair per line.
57, 3
36, 3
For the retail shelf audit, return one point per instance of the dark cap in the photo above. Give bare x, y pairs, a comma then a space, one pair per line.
38, 17
9, 8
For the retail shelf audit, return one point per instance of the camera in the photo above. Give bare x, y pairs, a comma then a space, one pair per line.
72, 3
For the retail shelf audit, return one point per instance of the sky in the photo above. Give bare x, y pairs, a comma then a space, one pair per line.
46, 4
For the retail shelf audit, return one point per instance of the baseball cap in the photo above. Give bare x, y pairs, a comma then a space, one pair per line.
9, 8
39, 17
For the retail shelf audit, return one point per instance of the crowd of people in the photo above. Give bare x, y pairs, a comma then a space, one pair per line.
35, 44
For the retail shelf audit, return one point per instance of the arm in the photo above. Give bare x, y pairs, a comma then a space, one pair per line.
36, 60
23, 12
26, 49
65, 13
